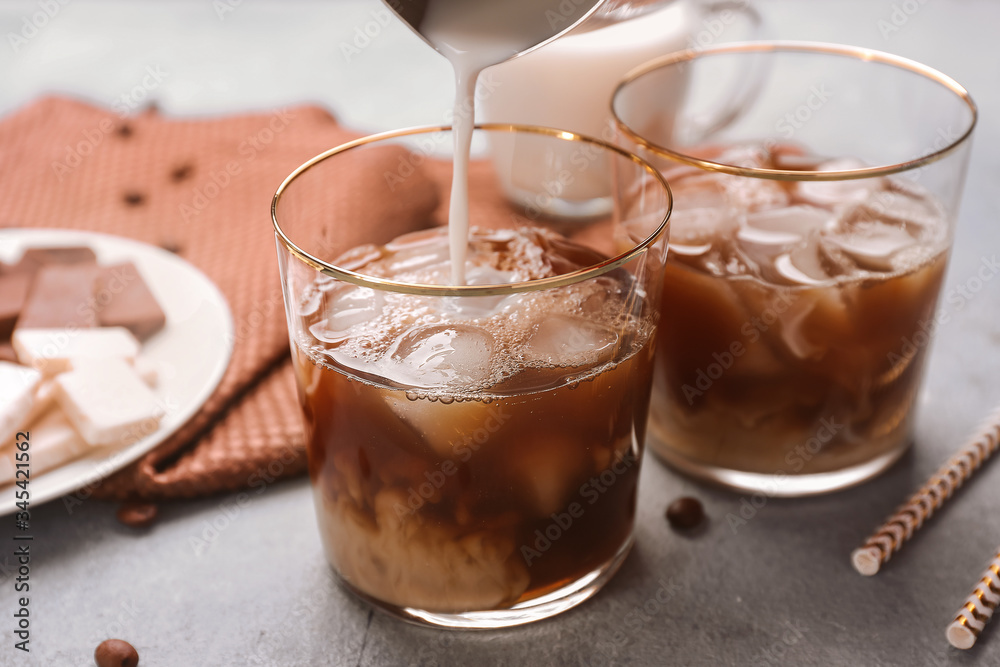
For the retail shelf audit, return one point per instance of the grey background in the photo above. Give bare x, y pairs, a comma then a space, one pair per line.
214, 583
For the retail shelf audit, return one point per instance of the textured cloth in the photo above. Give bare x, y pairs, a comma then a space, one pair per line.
201, 188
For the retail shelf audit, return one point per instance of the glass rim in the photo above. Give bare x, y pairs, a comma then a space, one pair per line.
384, 284
780, 46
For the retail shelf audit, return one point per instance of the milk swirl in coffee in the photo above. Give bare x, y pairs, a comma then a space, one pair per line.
794, 307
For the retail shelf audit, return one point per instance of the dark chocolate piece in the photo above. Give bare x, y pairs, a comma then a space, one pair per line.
34, 258
124, 300
14, 289
61, 296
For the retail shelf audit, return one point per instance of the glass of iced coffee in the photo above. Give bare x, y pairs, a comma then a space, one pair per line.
816, 189
474, 449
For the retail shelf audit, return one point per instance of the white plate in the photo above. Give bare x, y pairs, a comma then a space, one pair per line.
190, 353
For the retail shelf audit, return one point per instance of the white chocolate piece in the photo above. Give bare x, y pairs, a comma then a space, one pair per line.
51, 351
45, 398
148, 370
107, 402
53, 442
17, 395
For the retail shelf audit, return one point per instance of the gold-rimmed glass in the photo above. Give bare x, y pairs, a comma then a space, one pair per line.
461, 503
810, 236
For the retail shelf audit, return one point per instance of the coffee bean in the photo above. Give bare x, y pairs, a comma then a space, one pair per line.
116, 653
134, 198
171, 245
181, 173
685, 513
137, 514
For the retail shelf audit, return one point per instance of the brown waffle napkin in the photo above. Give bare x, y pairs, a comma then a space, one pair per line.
201, 187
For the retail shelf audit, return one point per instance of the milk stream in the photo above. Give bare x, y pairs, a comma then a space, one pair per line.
473, 35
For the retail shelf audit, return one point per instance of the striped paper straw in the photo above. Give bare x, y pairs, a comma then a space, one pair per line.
978, 608
921, 505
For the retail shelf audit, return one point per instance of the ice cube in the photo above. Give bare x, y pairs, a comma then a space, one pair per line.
754, 194
417, 251
835, 261
345, 477
905, 206
741, 192
876, 246
418, 239
481, 305
565, 256
746, 156
698, 191
697, 250
313, 295
815, 320
547, 470
565, 340
782, 223
695, 232
442, 356
755, 236
768, 234
703, 222
357, 257
445, 427
796, 335
675, 173
796, 162
701, 218
836, 193
347, 307
309, 302
803, 266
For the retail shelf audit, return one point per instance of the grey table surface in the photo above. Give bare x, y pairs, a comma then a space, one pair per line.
217, 583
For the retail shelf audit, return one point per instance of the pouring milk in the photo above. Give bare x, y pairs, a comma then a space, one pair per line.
473, 35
